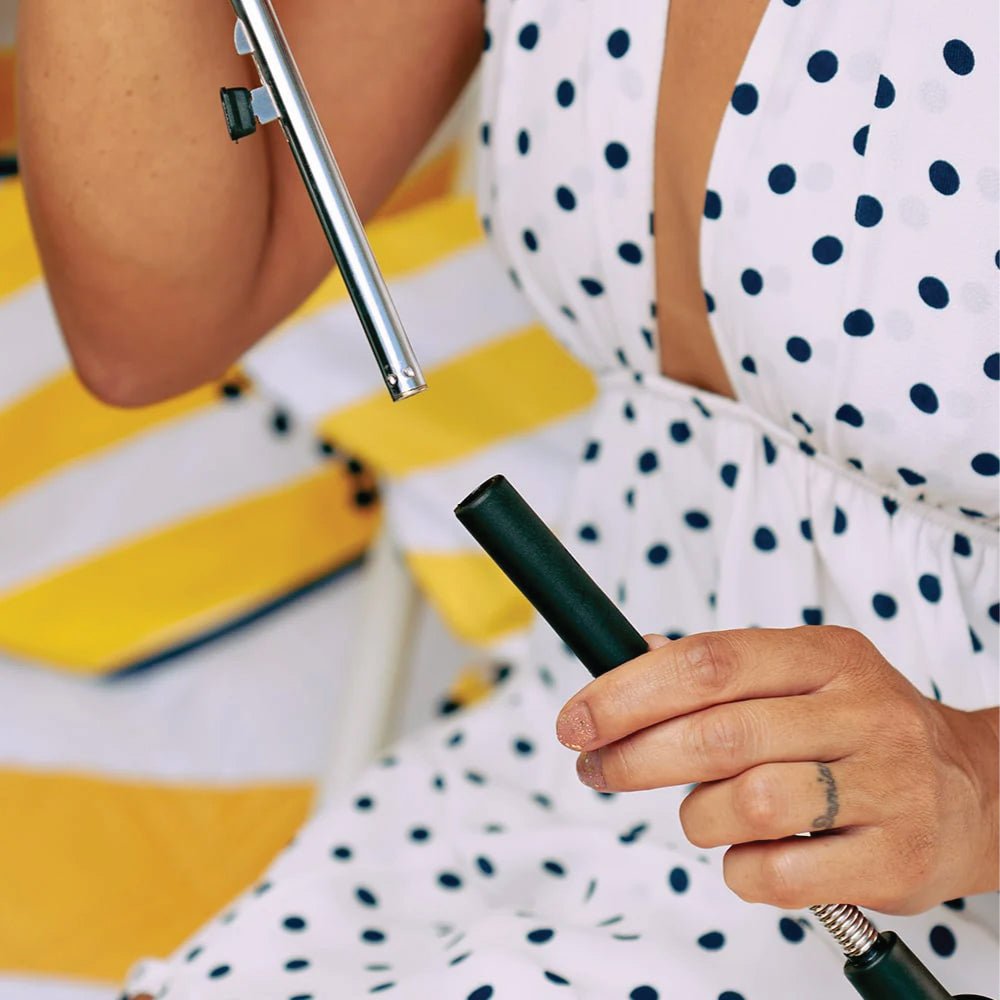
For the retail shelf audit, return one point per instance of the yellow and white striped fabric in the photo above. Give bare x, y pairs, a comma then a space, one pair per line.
168, 637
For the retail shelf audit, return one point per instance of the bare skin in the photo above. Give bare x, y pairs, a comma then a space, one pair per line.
169, 250
706, 46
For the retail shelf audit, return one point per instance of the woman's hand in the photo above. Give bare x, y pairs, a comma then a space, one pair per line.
795, 730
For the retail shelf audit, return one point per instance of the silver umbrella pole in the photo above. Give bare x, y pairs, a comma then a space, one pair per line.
282, 97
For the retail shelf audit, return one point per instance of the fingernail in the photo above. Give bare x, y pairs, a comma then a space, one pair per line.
588, 768
656, 641
575, 727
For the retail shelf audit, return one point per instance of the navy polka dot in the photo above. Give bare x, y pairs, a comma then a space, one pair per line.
991, 367
884, 605
554, 977
986, 464
365, 896
770, 452
812, 616
868, 211
933, 292
858, 323
678, 879
962, 546
944, 177
860, 140
364, 803
541, 935
658, 554
523, 142
713, 940
644, 993
849, 414
728, 474
748, 364
341, 853
372, 936
930, 587
781, 179
419, 834
958, 57
942, 941
648, 461
565, 198
630, 253
219, 972
528, 36
885, 93
554, 868
765, 540
592, 286
822, 66
618, 43
482, 993
745, 98
484, 133
709, 303
449, 880
565, 93
697, 519
616, 155
732, 994
485, 865
827, 250
530, 240
713, 205
791, 930
680, 431
839, 521
924, 398
910, 477
798, 348
293, 924
751, 281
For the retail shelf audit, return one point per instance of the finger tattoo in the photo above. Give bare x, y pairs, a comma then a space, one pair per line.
826, 778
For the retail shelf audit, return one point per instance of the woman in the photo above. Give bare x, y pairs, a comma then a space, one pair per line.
797, 430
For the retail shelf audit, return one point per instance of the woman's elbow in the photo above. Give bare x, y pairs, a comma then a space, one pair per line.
123, 369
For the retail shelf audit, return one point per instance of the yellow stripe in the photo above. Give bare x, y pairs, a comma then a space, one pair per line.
473, 596
505, 387
155, 591
471, 685
19, 263
97, 874
60, 421
406, 243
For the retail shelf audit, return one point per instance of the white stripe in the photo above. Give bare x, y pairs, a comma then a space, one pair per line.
207, 459
255, 706
18, 988
31, 346
540, 465
324, 363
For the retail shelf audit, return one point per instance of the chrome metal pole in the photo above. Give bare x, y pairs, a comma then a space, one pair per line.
283, 96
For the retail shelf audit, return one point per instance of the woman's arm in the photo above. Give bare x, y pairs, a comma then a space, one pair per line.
168, 250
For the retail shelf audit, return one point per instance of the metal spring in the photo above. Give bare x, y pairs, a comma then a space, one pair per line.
854, 932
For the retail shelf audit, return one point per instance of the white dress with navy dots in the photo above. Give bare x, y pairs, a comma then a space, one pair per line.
849, 258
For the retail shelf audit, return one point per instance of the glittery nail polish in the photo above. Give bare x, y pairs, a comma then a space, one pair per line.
575, 727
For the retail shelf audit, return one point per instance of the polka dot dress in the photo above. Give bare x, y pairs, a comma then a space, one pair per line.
849, 261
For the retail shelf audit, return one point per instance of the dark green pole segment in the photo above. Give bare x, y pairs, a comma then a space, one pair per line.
890, 971
540, 566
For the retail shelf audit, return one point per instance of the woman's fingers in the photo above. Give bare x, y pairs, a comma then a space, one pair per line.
725, 740
801, 871
693, 673
774, 801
